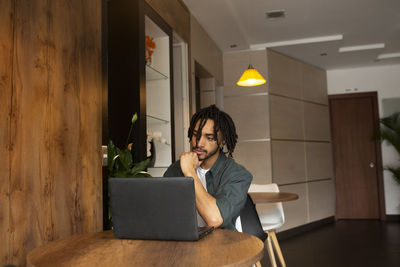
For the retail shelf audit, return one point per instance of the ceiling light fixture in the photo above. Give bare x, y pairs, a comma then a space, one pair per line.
298, 41
361, 47
389, 55
251, 77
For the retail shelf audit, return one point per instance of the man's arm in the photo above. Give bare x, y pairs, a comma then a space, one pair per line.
206, 204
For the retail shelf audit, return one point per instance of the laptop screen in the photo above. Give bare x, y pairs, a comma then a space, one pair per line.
153, 208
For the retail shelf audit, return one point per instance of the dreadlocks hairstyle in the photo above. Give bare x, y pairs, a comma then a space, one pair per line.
222, 122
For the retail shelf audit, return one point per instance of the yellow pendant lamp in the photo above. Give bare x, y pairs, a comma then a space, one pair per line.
251, 77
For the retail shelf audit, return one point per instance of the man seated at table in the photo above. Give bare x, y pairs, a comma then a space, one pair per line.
221, 184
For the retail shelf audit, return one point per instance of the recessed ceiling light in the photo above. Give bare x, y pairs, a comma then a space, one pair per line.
298, 41
274, 14
389, 55
361, 47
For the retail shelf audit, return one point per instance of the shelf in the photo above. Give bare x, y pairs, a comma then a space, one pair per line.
155, 120
153, 74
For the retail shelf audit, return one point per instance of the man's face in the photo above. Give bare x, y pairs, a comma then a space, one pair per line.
207, 146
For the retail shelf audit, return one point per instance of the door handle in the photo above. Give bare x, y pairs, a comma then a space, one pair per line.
371, 164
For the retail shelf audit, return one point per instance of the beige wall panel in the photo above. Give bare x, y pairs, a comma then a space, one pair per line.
286, 118
316, 122
295, 211
284, 75
250, 114
207, 98
321, 199
256, 158
314, 84
319, 160
176, 14
234, 66
288, 162
204, 51
207, 84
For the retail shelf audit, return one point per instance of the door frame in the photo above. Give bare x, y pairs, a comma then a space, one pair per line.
379, 167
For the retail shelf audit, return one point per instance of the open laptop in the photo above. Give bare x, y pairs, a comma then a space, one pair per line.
155, 208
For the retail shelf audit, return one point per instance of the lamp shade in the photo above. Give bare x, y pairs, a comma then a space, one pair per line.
251, 77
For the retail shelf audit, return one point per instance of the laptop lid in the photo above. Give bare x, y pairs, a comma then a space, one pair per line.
153, 208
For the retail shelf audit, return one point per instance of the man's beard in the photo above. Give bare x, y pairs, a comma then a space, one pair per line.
207, 155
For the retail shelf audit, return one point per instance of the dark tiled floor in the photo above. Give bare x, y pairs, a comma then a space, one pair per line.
345, 243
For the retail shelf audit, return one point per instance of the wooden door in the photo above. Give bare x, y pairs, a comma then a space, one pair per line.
357, 156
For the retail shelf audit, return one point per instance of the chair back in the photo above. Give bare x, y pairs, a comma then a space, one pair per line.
271, 214
250, 223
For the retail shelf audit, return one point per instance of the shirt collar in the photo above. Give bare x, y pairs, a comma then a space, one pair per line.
219, 164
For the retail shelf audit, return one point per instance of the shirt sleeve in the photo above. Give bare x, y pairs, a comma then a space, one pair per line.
231, 195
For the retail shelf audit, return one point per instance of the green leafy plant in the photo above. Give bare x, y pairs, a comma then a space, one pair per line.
390, 132
120, 161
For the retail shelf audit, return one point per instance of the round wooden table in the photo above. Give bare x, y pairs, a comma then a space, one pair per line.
272, 197
219, 248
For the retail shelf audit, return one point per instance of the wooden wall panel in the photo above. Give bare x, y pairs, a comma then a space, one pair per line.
6, 43
31, 185
75, 77
55, 133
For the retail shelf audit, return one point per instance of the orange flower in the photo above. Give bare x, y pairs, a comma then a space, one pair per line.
150, 45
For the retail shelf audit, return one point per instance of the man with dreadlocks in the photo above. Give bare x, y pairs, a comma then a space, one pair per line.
221, 184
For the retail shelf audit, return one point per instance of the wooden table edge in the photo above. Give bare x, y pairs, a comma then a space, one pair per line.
287, 197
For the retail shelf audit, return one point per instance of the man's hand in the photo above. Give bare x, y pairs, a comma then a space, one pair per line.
189, 163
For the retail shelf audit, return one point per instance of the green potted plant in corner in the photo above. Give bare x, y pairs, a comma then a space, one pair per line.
120, 161
390, 132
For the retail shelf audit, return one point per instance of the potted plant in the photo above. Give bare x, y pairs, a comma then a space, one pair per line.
390, 132
120, 164
120, 161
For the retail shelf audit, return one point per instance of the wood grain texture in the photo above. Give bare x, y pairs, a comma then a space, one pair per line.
75, 128
6, 46
220, 248
55, 133
175, 14
353, 130
30, 189
272, 197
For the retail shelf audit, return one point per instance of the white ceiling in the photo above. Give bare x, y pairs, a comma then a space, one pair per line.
243, 23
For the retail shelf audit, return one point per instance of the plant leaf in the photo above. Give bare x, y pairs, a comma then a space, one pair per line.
140, 166
134, 118
125, 158
111, 153
142, 174
395, 172
390, 132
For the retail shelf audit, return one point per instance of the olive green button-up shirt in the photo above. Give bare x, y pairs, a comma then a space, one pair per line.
228, 182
